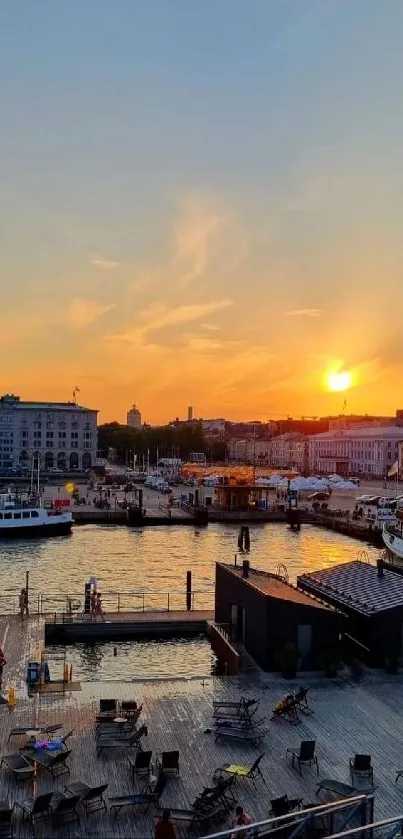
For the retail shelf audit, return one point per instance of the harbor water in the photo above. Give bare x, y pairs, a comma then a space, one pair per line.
155, 560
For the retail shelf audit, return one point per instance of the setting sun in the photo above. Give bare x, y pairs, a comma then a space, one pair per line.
339, 381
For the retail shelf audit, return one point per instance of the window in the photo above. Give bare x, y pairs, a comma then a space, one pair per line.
74, 424
49, 424
34, 514
62, 424
62, 435
1, 516
37, 424
49, 435
16, 515
8, 515
74, 435
25, 514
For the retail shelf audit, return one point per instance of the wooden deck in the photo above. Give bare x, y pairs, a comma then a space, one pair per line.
348, 717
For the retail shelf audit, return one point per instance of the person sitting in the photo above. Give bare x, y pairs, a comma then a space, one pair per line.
241, 818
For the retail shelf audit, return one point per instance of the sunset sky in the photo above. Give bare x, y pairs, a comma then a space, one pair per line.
202, 203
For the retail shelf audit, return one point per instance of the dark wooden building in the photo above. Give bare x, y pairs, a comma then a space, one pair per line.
271, 618
371, 598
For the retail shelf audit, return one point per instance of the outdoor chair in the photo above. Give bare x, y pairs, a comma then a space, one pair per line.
151, 795
251, 770
238, 703
283, 805
53, 763
168, 763
301, 701
108, 709
253, 735
288, 709
35, 808
221, 793
141, 765
115, 730
64, 807
245, 710
361, 765
134, 741
305, 756
19, 766
92, 798
127, 709
67, 737
22, 731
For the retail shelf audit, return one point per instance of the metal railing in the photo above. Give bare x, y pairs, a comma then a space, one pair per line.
135, 600
332, 816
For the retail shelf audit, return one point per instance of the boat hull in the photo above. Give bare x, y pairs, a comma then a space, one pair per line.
393, 543
62, 528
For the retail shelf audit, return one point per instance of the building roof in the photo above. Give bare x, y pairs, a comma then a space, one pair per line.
394, 432
10, 402
357, 586
273, 586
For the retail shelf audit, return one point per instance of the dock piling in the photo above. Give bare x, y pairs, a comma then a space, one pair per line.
188, 591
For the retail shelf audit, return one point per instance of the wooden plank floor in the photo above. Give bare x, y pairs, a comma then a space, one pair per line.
348, 717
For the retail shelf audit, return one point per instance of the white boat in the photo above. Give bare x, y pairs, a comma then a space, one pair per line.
393, 538
28, 519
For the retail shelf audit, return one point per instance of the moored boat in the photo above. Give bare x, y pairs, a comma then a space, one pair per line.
28, 519
393, 539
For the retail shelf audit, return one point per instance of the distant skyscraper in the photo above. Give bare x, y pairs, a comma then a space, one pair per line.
190, 413
134, 417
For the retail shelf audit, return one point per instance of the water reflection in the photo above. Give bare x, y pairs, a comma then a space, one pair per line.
156, 559
179, 657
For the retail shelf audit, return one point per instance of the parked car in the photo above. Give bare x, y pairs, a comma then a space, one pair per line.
319, 496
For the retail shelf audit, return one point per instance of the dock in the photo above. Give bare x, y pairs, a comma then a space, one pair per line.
364, 532
119, 626
348, 716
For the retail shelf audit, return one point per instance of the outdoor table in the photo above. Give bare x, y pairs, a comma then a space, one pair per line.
344, 790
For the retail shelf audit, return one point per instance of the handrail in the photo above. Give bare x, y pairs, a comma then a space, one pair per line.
41, 603
278, 822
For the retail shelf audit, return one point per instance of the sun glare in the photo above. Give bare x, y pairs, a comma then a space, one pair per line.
339, 381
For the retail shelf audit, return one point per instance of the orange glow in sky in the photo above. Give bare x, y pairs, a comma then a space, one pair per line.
189, 220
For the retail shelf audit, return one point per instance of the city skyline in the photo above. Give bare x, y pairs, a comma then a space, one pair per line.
202, 205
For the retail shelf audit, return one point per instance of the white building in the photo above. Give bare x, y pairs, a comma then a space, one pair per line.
134, 417
360, 451
59, 434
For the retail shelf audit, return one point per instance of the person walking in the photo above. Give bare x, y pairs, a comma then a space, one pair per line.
98, 607
23, 603
165, 828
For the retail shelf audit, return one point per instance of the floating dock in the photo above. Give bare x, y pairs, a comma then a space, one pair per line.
119, 626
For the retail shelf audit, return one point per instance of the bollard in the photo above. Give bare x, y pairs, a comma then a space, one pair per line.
188, 590
12, 697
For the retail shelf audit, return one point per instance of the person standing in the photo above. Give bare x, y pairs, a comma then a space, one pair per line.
165, 828
98, 607
2, 663
241, 818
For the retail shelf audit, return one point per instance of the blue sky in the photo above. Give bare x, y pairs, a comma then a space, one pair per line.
166, 161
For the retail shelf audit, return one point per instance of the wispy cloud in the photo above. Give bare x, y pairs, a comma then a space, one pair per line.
193, 237
158, 316
211, 327
304, 313
82, 312
102, 262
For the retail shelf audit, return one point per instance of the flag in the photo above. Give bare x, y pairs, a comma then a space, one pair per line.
394, 469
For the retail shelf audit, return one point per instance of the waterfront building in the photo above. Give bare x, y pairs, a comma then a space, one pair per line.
134, 417
371, 598
190, 413
61, 435
272, 618
369, 450
249, 451
289, 451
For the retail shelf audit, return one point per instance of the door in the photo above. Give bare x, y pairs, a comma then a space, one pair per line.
304, 640
237, 623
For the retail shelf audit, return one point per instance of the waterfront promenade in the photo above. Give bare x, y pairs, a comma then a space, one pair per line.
349, 716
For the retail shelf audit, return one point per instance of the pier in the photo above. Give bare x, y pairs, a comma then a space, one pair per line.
348, 717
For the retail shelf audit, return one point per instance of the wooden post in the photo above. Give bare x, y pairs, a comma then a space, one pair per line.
27, 589
188, 590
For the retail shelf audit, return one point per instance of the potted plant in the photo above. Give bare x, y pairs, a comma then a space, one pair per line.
288, 659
